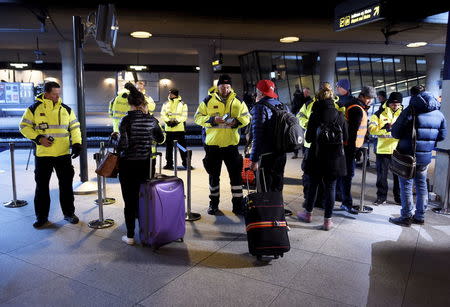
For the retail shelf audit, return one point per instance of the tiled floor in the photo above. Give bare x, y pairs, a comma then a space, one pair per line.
363, 261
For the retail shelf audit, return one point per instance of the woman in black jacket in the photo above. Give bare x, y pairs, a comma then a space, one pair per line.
327, 131
138, 130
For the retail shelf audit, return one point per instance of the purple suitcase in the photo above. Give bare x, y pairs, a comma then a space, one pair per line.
161, 211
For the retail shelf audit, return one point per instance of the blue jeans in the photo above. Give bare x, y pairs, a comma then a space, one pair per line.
406, 194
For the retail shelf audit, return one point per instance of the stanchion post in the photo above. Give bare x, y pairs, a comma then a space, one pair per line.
101, 222
190, 216
444, 210
175, 160
106, 200
362, 207
15, 203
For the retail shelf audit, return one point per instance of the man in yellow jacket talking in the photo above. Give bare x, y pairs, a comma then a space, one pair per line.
222, 114
174, 113
53, 126
380, 125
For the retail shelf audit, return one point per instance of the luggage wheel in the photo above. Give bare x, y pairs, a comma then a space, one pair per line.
259, 257
181, 240
275, 256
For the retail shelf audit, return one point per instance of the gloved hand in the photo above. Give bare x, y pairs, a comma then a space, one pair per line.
358, 155
114, 136
387, 127
76, 150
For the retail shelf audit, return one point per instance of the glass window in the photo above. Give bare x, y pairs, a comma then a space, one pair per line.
411, 71
421, 70
281, 77
354, 73
378, 74
366, 70
400, 75
265, 64
389, 74
341, 67
292, 73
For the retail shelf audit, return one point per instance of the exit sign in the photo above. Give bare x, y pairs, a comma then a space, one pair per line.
347, 18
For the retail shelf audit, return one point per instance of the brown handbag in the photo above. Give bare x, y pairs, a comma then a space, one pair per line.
109, 166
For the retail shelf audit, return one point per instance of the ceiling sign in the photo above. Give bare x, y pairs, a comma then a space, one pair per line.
355, 17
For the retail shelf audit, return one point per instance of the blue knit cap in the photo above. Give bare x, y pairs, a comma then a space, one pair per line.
344, 83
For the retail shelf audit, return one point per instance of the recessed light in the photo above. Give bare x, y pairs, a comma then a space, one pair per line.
289, 39
197, 68
417, 44
141, 34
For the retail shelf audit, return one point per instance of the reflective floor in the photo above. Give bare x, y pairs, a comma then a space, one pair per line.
364, 260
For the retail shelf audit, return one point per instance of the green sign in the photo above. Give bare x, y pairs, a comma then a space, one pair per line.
358, 17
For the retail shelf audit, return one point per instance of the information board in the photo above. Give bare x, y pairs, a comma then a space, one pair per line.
16, 93
357, 16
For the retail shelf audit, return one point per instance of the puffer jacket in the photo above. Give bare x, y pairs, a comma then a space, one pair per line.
138, 132
431, 127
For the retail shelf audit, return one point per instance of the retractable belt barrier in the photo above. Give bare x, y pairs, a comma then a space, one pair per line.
190, 216
445, 210
101, 222
362, 208
15, 203
106, 200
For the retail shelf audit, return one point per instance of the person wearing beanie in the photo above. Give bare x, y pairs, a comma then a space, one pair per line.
356, 114
174, 113
343, 92
380, 125
382, 98
221, 114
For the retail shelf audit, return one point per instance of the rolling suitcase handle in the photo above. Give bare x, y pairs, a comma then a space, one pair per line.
258, 183
151, 163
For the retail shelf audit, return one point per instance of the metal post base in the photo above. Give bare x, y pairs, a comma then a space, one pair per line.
365, 209
16, 204
85, 188
107, 201
97, 224
443, 211
190, 217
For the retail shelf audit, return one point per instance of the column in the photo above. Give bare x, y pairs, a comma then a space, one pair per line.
434, 66
69, 89
442, 159
206, 74
327, 65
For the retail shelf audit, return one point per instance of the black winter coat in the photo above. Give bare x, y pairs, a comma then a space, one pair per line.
328, 161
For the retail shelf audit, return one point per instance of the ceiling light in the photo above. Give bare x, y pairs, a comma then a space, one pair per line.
342, 69
51, 79
197, 68
18, 65
38, 61
165, 82
138, 67
109, 81
289, 39
417, 44
141, 34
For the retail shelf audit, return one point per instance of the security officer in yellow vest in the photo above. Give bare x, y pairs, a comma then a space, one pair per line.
118, 107
174, 113
356, 115
222, 114
53, 126
380, 125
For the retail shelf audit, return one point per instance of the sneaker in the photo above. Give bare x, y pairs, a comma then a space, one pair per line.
129, 241
397, 201
287, 212
327, 224
39, 223
401, 221
349, 209
168, 167
72, 219
212, 210
305, 216
185, 167
418, 221
379, 202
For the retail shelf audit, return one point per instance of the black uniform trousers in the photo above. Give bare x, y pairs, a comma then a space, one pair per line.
42, 173
213, 165
306, 181
131, 174
383, 162
170, 137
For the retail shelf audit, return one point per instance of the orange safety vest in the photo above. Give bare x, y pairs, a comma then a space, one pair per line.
362, 130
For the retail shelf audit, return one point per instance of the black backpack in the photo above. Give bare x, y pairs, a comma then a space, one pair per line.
329, 135
287, 131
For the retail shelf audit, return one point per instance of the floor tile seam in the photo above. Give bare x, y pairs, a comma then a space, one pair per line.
185, 272
277, 296
319, 296
365, 233
410, 269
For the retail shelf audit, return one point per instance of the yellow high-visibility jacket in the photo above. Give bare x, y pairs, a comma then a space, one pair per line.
48, 119
119, 107
305, 113
386, 143
213, 105
174, 109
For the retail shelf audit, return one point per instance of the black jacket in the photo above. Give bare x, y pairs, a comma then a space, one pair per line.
355, 116
138, 131
328, 161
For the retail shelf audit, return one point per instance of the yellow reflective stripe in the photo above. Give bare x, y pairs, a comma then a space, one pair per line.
214, 194
237, 194
360, 136
23, 126
74, 127
24, 120
373, 123
57, 127
118, 112
386, 136
362, 127
115, 117
244, 114
73, 122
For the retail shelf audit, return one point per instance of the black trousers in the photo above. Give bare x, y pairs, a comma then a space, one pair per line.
329, 192
170, 137
213, 165
131, 174
42, 173
272, 172
383, 162
306, 181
